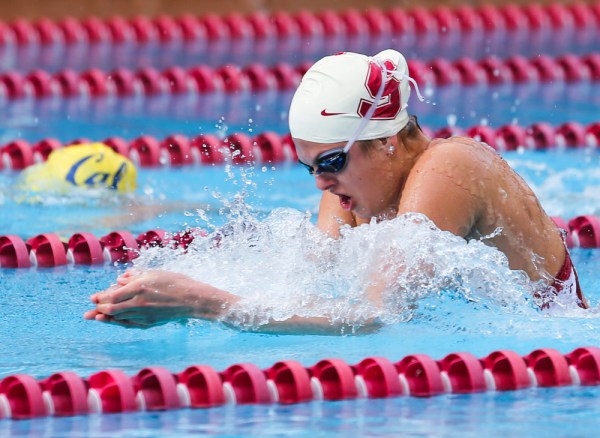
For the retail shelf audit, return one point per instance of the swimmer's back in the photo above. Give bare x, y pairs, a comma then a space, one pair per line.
502, 202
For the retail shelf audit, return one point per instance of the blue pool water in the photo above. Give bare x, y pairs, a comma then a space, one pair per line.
42, 330
67, 119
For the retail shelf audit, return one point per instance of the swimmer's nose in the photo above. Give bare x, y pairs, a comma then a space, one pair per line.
325, 181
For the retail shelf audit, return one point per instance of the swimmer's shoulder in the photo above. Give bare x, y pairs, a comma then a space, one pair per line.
457, 152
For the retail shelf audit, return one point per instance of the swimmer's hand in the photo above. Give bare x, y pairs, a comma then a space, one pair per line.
153, 298
148, 299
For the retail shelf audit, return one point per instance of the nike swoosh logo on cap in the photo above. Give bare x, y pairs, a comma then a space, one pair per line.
325, 113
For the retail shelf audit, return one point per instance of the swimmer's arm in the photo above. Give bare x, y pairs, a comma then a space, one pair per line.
149, 299
332, 216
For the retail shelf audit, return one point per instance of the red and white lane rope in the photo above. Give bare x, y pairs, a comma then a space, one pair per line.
256, 77
50, 250
372, 22
269, 147
286, 382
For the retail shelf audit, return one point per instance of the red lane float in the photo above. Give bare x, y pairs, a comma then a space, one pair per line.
379, 377
335, 379
120, 246
67, 393
47, 250
14, 252
585, 231
506, 370
151, 238
22, 397
200, 386
269, 147
208, 148
283, 77
203, 386
586, 361
420, 376
43, 148
17, 155
156, 389
176, 150
464, 373
255, 27
110, 392
145, 151
85, 249
246, 384
549, 367
291, 381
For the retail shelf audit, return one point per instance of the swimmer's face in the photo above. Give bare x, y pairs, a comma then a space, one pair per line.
364, 184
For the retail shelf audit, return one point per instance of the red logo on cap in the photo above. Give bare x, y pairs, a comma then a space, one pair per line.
325, 113
390, 103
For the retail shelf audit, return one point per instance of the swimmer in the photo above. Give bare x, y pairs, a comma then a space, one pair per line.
76, 170
350, 123
81, 166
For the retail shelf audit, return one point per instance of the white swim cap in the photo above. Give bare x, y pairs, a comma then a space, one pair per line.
337, 91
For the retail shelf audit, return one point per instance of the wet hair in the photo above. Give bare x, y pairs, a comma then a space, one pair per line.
411, 129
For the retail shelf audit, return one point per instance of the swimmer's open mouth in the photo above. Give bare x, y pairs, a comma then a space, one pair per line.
345, 202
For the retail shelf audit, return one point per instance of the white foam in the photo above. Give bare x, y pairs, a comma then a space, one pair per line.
283, 266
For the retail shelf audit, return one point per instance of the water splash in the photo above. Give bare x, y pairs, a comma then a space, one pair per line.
283, 266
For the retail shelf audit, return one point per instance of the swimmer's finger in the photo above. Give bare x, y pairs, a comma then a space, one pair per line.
96, 297
118, 294
114, 309
90, 314
126, 277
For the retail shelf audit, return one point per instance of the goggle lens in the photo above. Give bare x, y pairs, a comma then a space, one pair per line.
333, 161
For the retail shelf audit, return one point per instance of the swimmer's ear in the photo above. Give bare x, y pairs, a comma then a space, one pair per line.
415, 120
